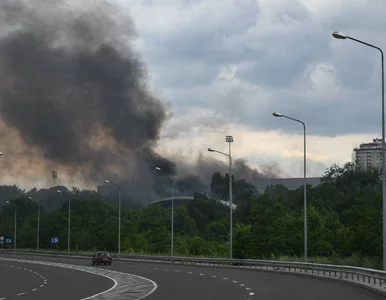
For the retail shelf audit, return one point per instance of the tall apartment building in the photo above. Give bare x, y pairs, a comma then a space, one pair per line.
369, 155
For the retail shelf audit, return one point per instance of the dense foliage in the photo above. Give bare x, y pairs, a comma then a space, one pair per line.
344, 219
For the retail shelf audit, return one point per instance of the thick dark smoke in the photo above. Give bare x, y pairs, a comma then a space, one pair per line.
205, 167
73, 89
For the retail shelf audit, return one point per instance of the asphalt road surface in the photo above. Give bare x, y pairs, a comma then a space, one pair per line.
24, 281
196, 283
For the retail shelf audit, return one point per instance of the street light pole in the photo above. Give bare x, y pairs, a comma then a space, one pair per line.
275, 114
119, 220
69, 219
172, 241
69, 225
229, 139
54, 174
15, 225
342, 36
119, 213
38, 229
172, 222
14, 234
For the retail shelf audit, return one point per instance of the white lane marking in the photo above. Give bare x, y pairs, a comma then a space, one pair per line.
214, 276
155, 268
104, 292
34, 290
25, 269
123, 282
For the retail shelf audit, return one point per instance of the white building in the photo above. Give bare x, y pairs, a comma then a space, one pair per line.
369, 155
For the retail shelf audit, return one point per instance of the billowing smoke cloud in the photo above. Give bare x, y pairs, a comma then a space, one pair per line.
76, 92
205, 167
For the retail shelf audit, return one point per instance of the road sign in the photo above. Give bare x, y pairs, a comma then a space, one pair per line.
1, 238
54, 240
8, 241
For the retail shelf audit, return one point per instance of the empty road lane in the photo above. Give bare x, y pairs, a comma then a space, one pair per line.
195, 282
37, 282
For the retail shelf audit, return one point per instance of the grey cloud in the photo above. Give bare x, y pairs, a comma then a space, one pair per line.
278, 59
357, 112
210, 39
183, 73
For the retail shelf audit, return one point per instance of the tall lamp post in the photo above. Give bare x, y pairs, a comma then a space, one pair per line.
54, 177
276, 114
342, 36
38, 229
14, 233
119, 213
229, 139
69, 219
172, 226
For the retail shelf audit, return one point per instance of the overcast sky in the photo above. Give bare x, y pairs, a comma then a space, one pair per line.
224, 66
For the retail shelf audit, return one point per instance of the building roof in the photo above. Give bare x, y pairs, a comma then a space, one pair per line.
289, 183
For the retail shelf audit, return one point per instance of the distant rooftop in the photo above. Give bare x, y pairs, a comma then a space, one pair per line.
180, 200
289, 183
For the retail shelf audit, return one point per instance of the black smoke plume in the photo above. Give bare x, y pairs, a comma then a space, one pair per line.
74, 90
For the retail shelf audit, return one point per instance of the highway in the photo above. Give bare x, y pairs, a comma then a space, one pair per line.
196, 282
36, 282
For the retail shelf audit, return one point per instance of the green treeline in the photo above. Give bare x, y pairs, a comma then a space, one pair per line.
344, 222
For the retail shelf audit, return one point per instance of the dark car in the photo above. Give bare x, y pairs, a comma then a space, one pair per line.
101, 258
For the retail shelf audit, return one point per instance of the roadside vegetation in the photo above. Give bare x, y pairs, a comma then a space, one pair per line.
344, 221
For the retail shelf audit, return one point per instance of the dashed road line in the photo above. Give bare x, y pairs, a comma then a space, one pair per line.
211, 276
250, 293
28, 270
133, 287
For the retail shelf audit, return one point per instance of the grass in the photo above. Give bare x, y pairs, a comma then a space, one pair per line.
355, 260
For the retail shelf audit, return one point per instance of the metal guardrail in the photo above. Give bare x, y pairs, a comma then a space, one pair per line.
374, 280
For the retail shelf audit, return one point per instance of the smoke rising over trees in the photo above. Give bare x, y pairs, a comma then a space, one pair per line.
75, 93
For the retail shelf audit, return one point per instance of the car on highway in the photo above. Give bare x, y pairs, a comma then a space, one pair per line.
101, 258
